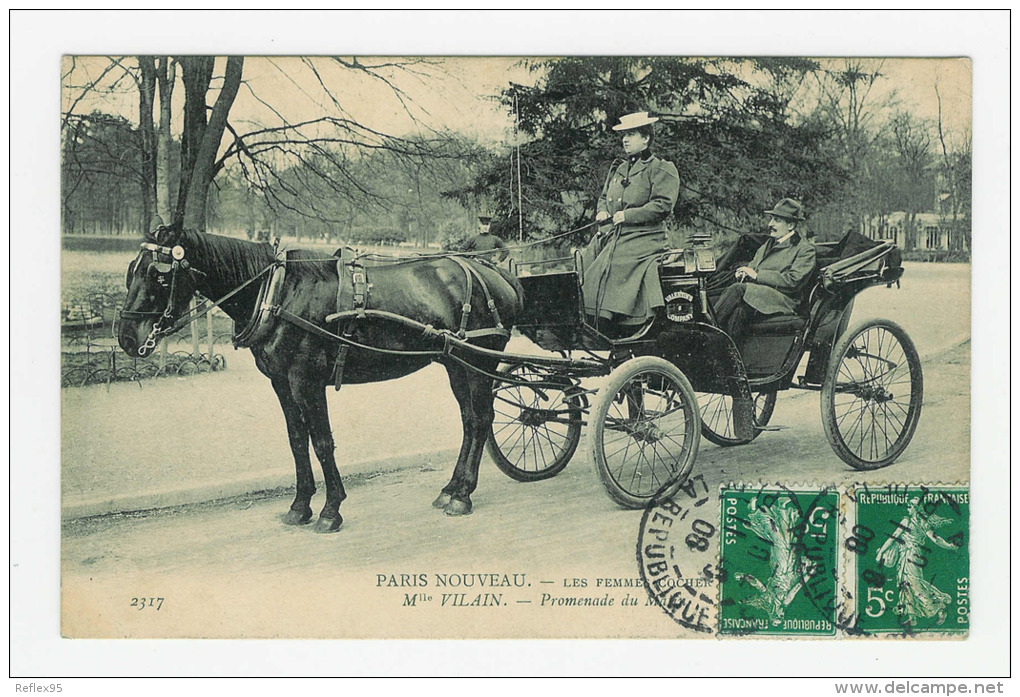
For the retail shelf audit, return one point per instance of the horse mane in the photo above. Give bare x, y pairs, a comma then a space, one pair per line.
233, 261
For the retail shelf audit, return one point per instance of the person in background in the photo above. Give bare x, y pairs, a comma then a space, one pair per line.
485, 241
769, 284
621, 281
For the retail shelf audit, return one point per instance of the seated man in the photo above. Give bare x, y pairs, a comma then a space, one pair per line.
768, 284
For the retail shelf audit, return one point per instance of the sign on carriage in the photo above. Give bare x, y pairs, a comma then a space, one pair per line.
706, 396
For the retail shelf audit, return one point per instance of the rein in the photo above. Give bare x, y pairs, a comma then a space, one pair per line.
190, 317
177, 253
416, 257
451, 340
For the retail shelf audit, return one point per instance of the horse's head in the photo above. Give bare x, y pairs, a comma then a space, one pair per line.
160, 282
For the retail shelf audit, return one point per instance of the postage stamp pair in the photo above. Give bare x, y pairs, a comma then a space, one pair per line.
842, 562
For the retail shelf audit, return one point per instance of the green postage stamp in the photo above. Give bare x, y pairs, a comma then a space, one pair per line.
779, 558
852, 561
910, 550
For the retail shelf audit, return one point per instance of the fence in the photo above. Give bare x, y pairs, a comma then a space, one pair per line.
90, 354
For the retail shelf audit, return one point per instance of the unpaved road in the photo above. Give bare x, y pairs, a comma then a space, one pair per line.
232, 569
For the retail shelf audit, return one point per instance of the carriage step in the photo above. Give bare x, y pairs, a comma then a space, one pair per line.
743, 418
771, 428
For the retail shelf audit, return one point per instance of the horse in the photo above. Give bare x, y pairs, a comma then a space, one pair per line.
301, 354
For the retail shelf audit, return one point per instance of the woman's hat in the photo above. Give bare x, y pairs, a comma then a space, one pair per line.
635, 120
787, 208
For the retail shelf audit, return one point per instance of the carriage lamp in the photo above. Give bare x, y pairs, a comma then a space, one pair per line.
704, 257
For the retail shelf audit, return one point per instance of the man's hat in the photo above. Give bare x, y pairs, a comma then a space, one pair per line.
485, 218
787, 208
635, 120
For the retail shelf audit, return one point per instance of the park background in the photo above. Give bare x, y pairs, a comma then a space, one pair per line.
402, 154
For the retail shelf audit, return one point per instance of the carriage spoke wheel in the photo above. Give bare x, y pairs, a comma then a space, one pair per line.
537, 426
644, 431
717, 416
872, 394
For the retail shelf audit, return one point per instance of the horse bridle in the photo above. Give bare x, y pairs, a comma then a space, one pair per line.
159, 327
165, 317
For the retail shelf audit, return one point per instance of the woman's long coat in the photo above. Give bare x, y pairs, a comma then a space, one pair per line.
620, 273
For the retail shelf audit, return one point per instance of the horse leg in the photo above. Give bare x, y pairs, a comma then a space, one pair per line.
461, 391
312, 399
474, 395
301, 510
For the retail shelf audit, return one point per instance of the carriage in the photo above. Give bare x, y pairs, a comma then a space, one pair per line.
679, 376
313, 320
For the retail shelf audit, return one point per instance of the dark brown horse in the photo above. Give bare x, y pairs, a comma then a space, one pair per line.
301, 360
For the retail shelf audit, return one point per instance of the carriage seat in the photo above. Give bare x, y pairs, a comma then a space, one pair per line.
786, 325
778, 325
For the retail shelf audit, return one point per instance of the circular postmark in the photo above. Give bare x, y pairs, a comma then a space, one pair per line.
744, 560
677, 554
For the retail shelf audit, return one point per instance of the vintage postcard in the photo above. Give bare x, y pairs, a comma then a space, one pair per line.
466, 347
663, 344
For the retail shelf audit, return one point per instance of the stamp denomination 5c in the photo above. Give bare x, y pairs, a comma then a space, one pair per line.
911, 560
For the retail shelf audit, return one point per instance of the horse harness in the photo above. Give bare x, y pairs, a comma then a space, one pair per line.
356, 274
268, 307
361, 287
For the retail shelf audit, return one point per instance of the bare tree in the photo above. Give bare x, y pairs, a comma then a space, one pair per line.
147, 129
325, 147
847, 102
201, 140
956, 178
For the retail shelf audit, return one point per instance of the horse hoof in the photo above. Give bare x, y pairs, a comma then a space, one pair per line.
442, 501
458, 507
328, 524
293, 517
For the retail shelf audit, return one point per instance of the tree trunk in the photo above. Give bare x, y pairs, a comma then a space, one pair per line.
146, 100
910, 232
202, 150
196, 72
165, 75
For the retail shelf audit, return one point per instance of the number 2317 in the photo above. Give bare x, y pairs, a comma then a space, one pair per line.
147, 603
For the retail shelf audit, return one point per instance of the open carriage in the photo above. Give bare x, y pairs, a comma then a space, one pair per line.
313, 320
679, 376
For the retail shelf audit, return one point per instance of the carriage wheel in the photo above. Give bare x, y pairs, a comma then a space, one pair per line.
536, 429
872, 394
645, 429
717, 416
